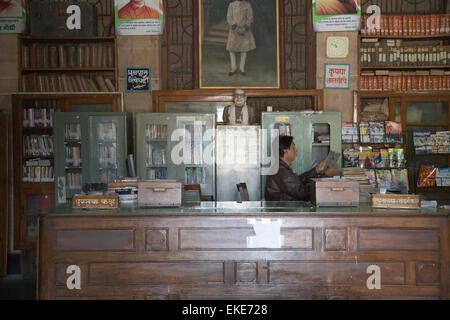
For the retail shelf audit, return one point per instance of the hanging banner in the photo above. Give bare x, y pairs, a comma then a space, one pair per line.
139, 17
336, 15
12, 16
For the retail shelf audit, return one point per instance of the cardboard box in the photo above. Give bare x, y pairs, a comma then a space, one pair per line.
160, 193
330, 192
397, 201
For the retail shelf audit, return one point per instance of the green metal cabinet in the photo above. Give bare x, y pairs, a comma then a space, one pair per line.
163, 152
304, 127
90, 147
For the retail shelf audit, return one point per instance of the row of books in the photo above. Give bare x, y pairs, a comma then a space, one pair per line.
72, 156
38, 145
67, 83
38, 117
390, 53
284, 129
430, 176
194, 146
195, 175
156, 154
156, 131
73, 180
38, 174
38, 170
156, 173
83, 55
404, 82
107, 131
107, 156
369, 158
372, 132
426, 142
411, 25
72, 131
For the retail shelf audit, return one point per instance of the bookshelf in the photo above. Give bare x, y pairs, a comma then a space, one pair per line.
33, 152
89, 148
3, 194
425, 111
408, 53
174, 145
68, 64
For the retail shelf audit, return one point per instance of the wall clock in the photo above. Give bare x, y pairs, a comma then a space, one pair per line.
337, 47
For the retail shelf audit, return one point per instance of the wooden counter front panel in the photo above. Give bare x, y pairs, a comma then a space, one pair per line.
199, 257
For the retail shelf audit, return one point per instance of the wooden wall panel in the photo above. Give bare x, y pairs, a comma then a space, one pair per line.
398, 239
333, 273
155, 272
189, 256
89, 240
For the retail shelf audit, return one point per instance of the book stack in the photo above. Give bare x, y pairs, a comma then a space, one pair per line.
156, 173
365, 188
38, 117
125, 188
411, 25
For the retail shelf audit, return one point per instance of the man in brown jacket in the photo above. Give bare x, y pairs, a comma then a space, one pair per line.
286, 185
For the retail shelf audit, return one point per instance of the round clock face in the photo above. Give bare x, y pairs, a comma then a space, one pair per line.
337, 47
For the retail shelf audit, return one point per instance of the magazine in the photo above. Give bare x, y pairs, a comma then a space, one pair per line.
393, 132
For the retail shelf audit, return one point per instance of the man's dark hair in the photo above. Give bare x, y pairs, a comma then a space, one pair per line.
284, 144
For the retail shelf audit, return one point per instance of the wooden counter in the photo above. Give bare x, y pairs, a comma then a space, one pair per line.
258, 251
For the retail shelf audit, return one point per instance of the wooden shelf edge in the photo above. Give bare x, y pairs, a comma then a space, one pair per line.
59, 38
66, 69
422, 36
403, 67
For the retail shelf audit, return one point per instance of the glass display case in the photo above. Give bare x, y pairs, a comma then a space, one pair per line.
177, 146
315, 135
89, 148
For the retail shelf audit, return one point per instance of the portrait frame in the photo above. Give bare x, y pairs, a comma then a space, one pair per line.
262, 63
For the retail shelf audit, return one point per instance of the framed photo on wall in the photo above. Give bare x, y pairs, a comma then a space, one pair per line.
238, 44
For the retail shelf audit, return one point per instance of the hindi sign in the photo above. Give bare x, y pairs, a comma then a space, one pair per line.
337, 76
12, 16
336, 15
139, 17
138, 79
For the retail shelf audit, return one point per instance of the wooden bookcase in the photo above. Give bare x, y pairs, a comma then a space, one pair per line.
396, 59
402, 107
3, 194
68, 64
34, 188
409, 58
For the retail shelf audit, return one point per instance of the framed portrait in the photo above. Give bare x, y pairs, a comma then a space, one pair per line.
238, 44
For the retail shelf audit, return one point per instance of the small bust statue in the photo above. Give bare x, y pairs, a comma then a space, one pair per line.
239, 112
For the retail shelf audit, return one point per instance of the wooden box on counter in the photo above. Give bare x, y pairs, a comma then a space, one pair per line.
160, 193
398, 201
330, 192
